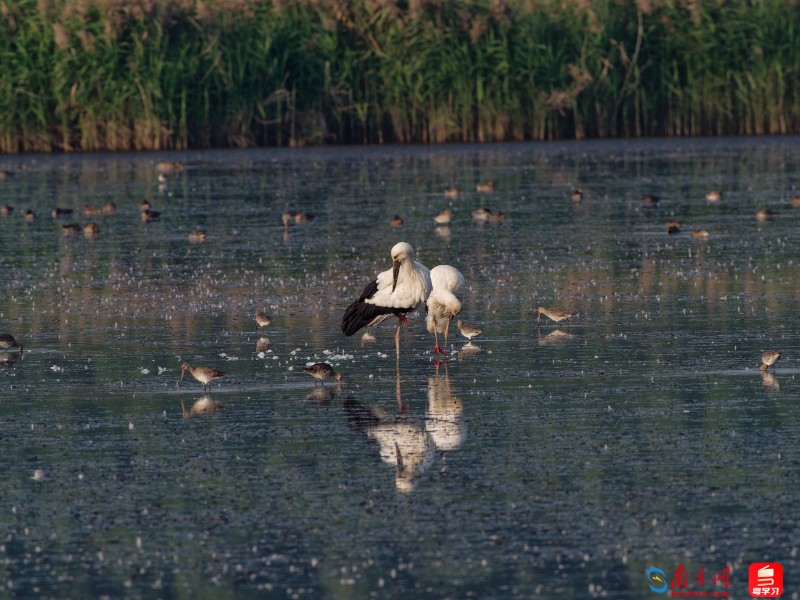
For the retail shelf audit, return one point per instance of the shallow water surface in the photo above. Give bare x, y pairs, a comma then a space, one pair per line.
540, 461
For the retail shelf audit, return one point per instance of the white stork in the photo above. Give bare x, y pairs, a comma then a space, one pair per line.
442, 302
397, 291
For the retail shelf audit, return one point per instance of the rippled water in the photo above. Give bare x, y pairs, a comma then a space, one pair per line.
542, 462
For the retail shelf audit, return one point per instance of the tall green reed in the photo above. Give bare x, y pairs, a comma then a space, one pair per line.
114, 75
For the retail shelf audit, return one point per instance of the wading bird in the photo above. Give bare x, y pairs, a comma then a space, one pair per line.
322, 371
262, 318
204, 375
442, 303
556, 313
468, 331
396, 291
769, 358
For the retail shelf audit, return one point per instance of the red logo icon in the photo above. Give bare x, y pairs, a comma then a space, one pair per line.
766, 580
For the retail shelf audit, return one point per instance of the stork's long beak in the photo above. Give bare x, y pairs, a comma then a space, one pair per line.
395, 270
183, 372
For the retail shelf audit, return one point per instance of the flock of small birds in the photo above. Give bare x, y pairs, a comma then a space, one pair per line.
412, 286
482, 214
712, 197
91, 230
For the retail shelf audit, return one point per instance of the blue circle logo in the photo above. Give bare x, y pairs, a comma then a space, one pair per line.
657, 579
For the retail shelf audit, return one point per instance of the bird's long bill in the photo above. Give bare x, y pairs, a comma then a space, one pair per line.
183, 372
395, 270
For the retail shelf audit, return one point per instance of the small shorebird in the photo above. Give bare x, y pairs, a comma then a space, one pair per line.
197, 237
796, 202
168, 167
766, 214
442, 303
673, 226
396, 291
7, 342
6, 210
701, 234
485, 187
70, 229
322, 371
714, 195
396, 221
769, 358
92, 211
497, 217
468, 331
91, 230
144, 205
109, 208
57, 212
262, 318
650, 200
30, 216
452, 193
444, 217
576, 196
481, 215
148, 216
556, 313
368, 339
297, 216
204, 375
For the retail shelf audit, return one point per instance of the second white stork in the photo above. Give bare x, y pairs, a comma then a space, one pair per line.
397, 291
443, 304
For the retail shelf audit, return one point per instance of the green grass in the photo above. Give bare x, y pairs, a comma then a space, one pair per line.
110, 75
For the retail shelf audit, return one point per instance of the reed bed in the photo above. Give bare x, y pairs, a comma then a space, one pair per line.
86, 75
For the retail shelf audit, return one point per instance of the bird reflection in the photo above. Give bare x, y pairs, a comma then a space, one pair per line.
263, 344
445, 414
203, 405
557, 336
7, 359
444, 232
321, 395
403, 441
469, 350
770, 382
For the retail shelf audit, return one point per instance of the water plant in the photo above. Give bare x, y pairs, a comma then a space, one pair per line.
117, 75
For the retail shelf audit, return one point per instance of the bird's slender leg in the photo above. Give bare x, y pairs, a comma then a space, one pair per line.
398, 393
436, 349
446, 333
